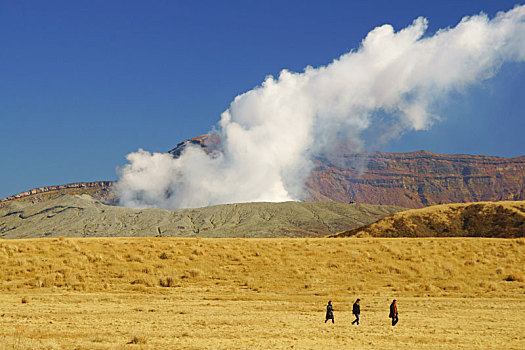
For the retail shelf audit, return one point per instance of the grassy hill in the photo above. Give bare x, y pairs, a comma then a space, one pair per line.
483, 219
84, 216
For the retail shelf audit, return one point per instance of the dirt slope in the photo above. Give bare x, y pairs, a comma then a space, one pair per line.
483, 219
83, 216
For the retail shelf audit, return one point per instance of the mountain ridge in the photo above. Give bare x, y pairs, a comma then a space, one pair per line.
416, 179
411, 180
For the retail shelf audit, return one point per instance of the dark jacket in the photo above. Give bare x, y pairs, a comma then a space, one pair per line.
356, 310
393, 310
329, 311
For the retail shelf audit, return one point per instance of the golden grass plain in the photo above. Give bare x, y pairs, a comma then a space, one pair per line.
194, 293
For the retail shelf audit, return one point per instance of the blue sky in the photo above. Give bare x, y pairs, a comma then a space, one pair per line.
84, 83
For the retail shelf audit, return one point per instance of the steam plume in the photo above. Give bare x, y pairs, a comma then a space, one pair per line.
269, 133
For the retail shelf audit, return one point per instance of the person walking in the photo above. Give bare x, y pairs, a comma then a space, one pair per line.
393, 313
329, 312
356, 310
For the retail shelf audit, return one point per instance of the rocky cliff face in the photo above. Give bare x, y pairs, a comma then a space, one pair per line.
416, 179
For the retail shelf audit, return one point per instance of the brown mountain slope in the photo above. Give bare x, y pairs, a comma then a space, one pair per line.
483, 219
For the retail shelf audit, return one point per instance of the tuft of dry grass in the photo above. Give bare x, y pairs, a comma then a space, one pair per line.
515, 278
137, 340
167, 282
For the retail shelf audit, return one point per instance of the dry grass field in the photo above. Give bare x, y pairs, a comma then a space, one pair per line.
193, 293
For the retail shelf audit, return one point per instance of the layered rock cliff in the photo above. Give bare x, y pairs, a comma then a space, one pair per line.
97, 189
416, 179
